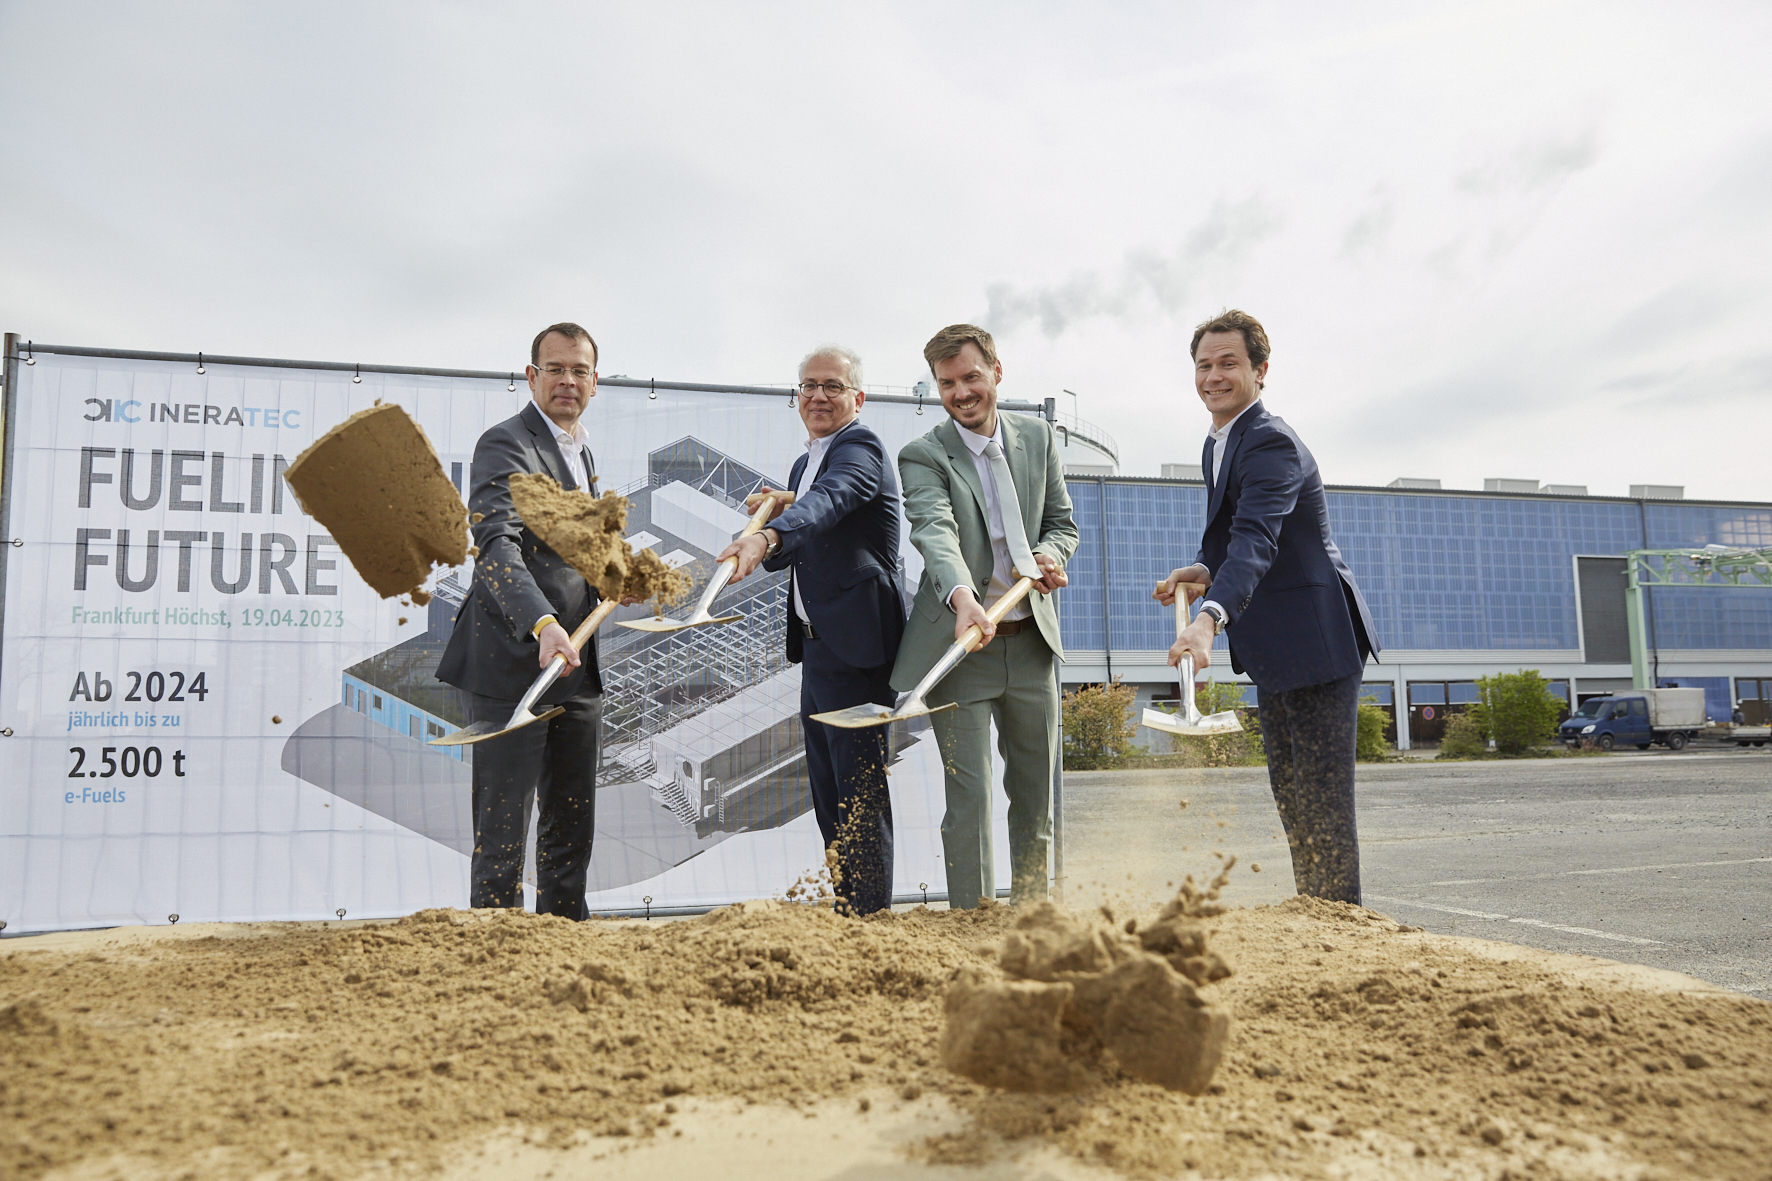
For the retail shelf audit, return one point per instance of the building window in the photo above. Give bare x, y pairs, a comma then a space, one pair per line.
433, 730
377, 701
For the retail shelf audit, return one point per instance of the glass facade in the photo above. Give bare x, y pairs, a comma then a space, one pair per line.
1439, 570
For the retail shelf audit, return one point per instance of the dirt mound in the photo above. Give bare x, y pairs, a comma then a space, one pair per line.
1075, 986
377, 485
1357, 1047
587, 531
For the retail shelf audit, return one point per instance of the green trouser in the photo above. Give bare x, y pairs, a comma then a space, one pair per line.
1014, 682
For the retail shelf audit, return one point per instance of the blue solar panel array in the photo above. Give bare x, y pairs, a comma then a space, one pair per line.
1440, 571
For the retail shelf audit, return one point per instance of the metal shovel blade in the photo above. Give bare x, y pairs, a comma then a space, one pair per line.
1208, 725
481, 731
668, 624
860, 717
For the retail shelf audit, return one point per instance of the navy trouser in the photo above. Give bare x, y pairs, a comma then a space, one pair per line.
553, 764
1309, 733
848, 773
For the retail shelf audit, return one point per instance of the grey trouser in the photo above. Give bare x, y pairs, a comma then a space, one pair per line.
1309, 733
1013, 682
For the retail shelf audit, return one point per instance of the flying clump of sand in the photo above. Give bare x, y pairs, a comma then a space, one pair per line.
376, 484
1356, 1047
587, 531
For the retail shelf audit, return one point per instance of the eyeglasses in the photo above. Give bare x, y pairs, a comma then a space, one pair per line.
832, 389
579, 371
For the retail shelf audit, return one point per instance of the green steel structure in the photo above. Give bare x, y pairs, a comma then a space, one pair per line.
1715, 567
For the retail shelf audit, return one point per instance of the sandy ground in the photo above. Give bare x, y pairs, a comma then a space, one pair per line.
781, 1041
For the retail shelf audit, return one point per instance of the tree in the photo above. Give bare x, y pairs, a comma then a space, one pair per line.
1369, 743
1516, 710
1098, 725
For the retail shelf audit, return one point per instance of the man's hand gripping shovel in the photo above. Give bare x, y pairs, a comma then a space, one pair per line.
766, 506
525, 713
916, 703
1189, 723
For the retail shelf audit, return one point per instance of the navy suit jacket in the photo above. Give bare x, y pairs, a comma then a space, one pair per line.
841, 539
1296, 615
517, 578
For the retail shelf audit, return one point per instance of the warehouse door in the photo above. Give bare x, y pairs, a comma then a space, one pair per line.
1605, 634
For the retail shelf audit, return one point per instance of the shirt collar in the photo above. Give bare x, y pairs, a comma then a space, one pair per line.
576, 435
817, 446
976, 443
1222, 435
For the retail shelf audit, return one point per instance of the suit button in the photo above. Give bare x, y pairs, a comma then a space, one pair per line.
1245, 605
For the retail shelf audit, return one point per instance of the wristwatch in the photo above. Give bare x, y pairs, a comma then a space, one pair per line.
1219, 621
771, 548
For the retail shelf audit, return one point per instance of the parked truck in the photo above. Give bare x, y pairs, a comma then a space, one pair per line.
1639, 717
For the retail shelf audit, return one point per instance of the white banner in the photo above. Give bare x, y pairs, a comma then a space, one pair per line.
212, 716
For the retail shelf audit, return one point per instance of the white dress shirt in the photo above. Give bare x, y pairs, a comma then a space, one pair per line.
816, 450
1000, 561
1220, 443
572, 444
1221, 440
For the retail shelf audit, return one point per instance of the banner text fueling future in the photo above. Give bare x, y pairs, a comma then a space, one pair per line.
179, 476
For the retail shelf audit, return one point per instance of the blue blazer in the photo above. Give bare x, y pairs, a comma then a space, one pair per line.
841, 539
1296, 615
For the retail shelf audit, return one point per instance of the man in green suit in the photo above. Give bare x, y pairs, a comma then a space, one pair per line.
987, 503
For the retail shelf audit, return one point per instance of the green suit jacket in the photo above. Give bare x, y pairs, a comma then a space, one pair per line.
944, 501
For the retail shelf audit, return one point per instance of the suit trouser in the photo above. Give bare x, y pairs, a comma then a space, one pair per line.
848, 773
1309, 733
553, 764
1013, 682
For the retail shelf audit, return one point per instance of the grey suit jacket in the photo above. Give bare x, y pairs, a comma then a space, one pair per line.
517, 578
944, 500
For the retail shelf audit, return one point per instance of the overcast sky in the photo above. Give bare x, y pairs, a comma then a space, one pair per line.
1526, 240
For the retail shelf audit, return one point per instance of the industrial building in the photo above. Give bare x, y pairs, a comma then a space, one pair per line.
1461, 584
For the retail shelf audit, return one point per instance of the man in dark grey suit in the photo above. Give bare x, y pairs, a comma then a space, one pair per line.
517, 617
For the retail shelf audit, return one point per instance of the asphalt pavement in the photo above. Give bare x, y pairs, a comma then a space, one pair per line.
1655, 858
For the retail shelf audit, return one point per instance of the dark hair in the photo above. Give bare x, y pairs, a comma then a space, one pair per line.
1254, 335
570, 332
946, 344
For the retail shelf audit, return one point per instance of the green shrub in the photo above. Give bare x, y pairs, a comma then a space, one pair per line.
1464, 738
1369, 743
1517, 710
1098, 725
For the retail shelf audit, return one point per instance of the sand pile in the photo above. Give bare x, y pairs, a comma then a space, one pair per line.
587, 531
377, 485
1073, 988
1356, 1047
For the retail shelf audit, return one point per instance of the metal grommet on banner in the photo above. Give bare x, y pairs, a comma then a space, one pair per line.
30, 357
513, 386
924, 886
652, 386
357, 377
200, 368
340, 912
2, 924
648, 901
6, 733
920, 389
172, 918
792, 394
18, 541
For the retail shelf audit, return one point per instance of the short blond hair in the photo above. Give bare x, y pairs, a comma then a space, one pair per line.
946, 344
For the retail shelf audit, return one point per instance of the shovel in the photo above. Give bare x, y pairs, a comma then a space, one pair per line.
722, 576
481, 731
858, 717
1189, 723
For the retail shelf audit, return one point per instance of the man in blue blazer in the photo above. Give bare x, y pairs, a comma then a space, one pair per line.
1276, 586
846, 614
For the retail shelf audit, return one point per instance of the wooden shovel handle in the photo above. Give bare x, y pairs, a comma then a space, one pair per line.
585, 630
973, 635
765, 509
756, 499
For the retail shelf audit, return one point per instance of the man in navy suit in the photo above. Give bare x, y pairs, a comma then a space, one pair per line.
1277, 588
846, 614
514, 621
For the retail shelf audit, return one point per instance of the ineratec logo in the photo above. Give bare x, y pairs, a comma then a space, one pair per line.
130, 410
